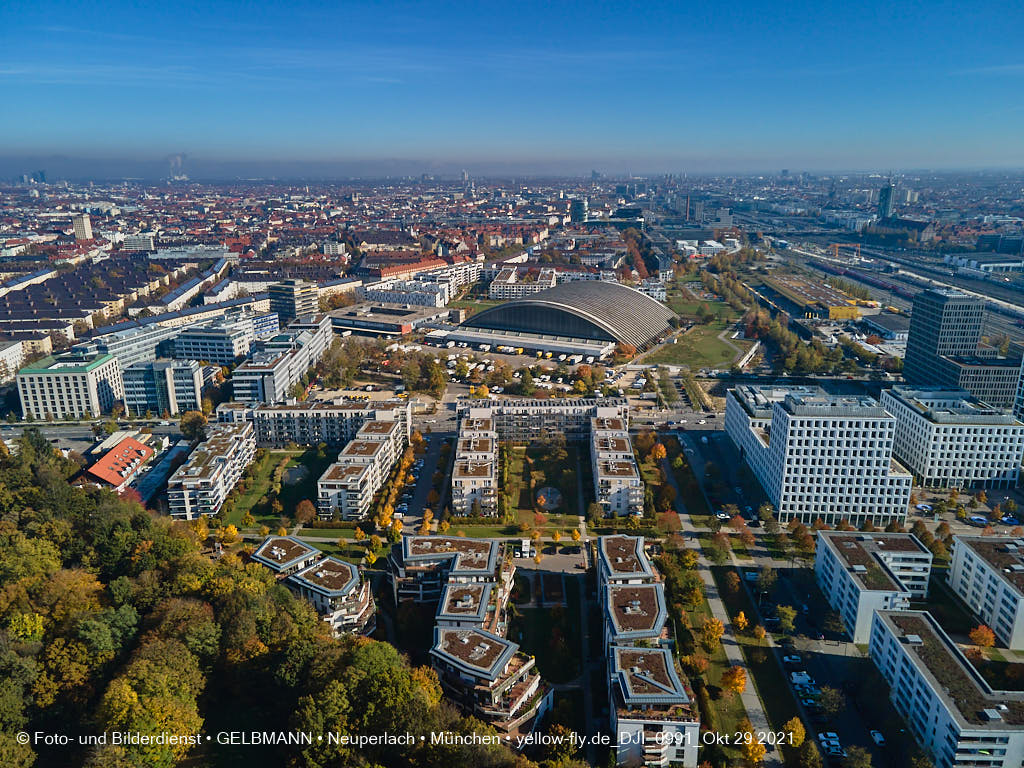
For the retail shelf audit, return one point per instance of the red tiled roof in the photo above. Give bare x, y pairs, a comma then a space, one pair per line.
121, 462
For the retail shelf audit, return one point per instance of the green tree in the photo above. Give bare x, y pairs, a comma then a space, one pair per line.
787, 618
193, 425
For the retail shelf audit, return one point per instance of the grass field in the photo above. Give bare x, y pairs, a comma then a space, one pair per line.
519, 485
254, 500
552, 635
699, 347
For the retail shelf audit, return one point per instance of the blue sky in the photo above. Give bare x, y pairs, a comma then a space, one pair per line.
617, 86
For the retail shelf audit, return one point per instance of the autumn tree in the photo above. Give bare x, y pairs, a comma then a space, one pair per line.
982, 636
305, 511
734, 679
795, 732
740, 622
711, 632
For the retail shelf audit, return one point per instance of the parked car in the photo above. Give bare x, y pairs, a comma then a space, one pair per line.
878, 738
793, 659
809, 703
828, 736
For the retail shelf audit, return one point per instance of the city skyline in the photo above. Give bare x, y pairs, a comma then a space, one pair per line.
402, 89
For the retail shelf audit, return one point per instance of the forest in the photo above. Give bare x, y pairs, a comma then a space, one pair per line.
114, 619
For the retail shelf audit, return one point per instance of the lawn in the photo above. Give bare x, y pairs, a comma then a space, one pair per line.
255, 498
520, 484
552, 635
775, 693
689, 488
699, 347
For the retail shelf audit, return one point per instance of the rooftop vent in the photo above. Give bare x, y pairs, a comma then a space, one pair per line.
991, 714
860, 569
913, 640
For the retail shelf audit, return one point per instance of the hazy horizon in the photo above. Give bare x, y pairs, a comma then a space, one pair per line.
539, 88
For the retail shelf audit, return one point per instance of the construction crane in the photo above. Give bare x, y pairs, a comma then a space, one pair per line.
836, 246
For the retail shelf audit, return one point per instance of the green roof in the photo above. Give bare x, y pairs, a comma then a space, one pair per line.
66, 364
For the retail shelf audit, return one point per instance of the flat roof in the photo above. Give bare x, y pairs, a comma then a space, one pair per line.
379, 427
329, 576
362, 448
624, 555
863, 555
647, 676
471, 468
951, 676
343, 471
464, 601
474, 555
1004, 554
280, 552
636, 608
474, 651
617, 468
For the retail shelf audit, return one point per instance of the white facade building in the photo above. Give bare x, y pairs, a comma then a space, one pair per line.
200, 485
70, 386
860, 573
618, 486
988, 574
474, 476
272, 372
819, 455
510, 285
346, 488
946, 438
312, 423
409, 292
12, 353
957, 717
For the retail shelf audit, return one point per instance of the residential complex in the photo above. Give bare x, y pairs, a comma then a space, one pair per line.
347, 488
819, 455
618, 487
163, 387
510, 284
948, 439
419, 567
860, 573
475, 474
524, 420
956, 716
654, 719
200, 485
312, 423
988, 574
70, 386
335, 588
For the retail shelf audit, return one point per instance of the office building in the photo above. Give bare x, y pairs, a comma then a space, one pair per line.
475, 474
294, 299
218, 343
273, 371
12, 354
820, 456
860, 573
886, 201
346, 489
336, 589
653, 717
948, 439
139, 242
618, 487
134, 344
1018, 408
988, 574
200, 485
82, 225
944, 348
163, 387
956, 716
70, 386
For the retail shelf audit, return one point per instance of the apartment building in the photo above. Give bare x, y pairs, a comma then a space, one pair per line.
618, 486
1018, 408
200, 485
948, 439
956, 716
347, 488
419, 567
860, 573
163, 386
474, 476
335, 588
653, 715
988, 574
521, 421
488, 677
511, 284
420, 293
819, 455
70, 386
312, 423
